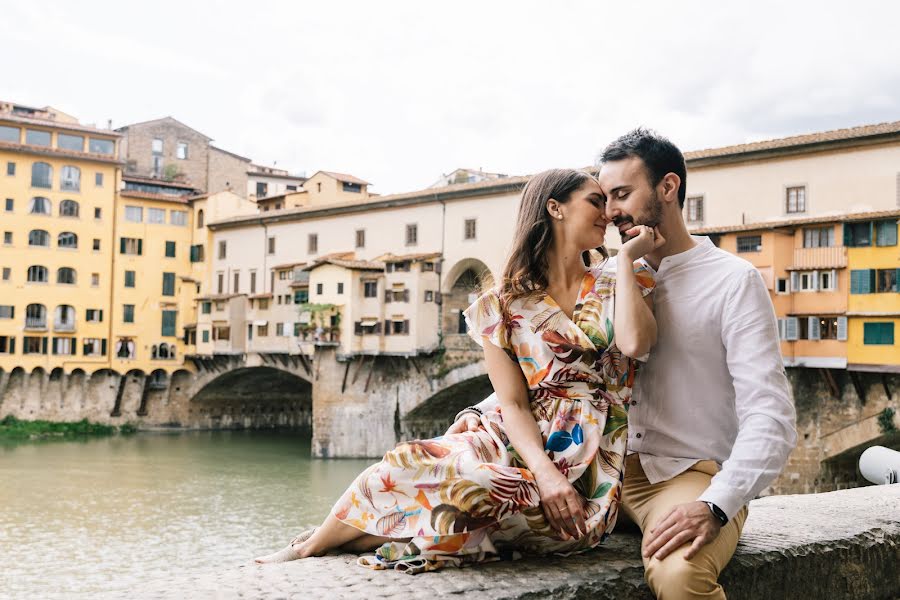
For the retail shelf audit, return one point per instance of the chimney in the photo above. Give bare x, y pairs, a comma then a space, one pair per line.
109, 123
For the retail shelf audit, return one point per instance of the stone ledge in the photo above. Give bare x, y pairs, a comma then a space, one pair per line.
842, 544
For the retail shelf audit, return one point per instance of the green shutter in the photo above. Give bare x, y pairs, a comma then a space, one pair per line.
103, 347
168, 323
140, 247
886, 233
168, 288
170, 249
121, 245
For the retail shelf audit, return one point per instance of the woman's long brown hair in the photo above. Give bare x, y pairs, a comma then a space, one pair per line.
526, 270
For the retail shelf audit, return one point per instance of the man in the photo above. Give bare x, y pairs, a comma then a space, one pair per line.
711, 422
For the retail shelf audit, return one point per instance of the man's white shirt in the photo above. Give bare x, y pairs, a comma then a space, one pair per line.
713, 386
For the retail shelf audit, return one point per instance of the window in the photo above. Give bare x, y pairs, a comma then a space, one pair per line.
95, 279
96, 146
469, 229
412, 234
370, 289
427, 267
131, 246
7, 344
67, 239
262, 330
125, 348
35, 316
181, 151
220, 281
795, 199
36, 137
749, 243
828, 281
352, 187
70, 179
301, 296
886, 280
41, 175
64, 346
10, 203
862, 281
34, 345
128, 313
170, 249
886, 233
429, 296
197, 253
7, 311
39, 206
65, 275
157, 216
129, 279
70, 142
98, 179
93, 347
6, 273
312, 243
810, 281
168, 284
340, 287
96, 244
168, 323
204, 335
285, 275
858, 235
237, 282
206, 307
200, 217
818, 237
178, 218
134, 214
262, 189
68, 208
319, 288
279, 329
7, 238
223, 249
37, 274
93, 315
156, 146
878, 334
38, 237
781, 286
9, 134
360, 238
252, 282
98, 212
263, 304
10, 168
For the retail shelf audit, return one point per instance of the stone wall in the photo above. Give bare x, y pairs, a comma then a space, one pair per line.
227, 172
138, 150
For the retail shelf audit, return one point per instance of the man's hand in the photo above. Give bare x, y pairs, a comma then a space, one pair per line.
468, 422
685, 522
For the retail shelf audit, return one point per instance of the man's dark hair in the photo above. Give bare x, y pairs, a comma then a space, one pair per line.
660, 156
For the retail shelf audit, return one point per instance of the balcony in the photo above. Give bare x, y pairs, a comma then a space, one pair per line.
36, 323
805, 259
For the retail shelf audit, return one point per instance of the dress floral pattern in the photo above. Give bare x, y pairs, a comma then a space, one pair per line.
469, 497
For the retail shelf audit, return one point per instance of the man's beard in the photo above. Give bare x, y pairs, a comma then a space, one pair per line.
651, 219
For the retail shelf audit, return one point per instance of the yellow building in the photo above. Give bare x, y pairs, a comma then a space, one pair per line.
874, 305
58, 183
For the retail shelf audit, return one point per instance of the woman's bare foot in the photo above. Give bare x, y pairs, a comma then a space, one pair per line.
297, 549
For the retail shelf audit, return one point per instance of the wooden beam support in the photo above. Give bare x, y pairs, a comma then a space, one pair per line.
858, 386
832, 384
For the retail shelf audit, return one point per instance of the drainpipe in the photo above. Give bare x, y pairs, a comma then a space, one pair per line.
110, 346
440, 323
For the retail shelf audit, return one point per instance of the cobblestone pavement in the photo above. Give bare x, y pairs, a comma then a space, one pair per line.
838, 545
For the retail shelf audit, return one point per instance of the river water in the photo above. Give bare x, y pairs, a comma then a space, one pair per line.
94, 517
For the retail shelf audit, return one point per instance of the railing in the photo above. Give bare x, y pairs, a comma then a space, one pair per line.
35, 323
63, 326
834, 257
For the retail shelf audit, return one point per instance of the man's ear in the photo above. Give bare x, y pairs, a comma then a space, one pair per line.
670, 184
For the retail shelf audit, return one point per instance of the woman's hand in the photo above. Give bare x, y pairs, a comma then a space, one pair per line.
646, 240
467, 422
563, 505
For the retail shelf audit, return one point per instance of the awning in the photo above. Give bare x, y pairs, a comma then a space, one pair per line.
261, 323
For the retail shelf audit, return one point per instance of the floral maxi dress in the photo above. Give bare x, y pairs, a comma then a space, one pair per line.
468, 497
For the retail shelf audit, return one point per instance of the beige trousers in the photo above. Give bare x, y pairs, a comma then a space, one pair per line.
646, 504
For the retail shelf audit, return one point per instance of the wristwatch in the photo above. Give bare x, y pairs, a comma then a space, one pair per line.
717, 512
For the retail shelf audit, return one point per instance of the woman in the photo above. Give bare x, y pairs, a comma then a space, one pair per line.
544, 474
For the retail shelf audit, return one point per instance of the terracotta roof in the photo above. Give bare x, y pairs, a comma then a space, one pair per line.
288, 265
44, 151
346, 260
217, 297
172, 119
394, 258
300, 178
766, 225
344, 177
50, 124
153, 196
155, 181
190, 279
865, 132
260, 296
238, 156
300, 284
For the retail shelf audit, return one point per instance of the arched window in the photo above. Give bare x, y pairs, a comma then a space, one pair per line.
199, 218
37, 274
125, 348
35, 315
68, 208
41, 175
70, 179
171, 350
39, 206
65, 316
153, 353
67, 239
38, 237
163, 351
65, 275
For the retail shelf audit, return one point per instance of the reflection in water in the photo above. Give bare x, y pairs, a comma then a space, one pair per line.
82, 518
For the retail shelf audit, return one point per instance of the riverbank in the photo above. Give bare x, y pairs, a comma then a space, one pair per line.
12, 428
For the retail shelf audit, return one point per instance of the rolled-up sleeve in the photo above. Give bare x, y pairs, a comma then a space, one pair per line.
763, 400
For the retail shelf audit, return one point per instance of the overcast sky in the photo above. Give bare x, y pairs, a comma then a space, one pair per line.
400, 92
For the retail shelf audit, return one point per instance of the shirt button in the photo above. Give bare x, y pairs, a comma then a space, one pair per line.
638, 436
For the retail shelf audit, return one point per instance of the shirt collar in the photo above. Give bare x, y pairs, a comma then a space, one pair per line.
704, 245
